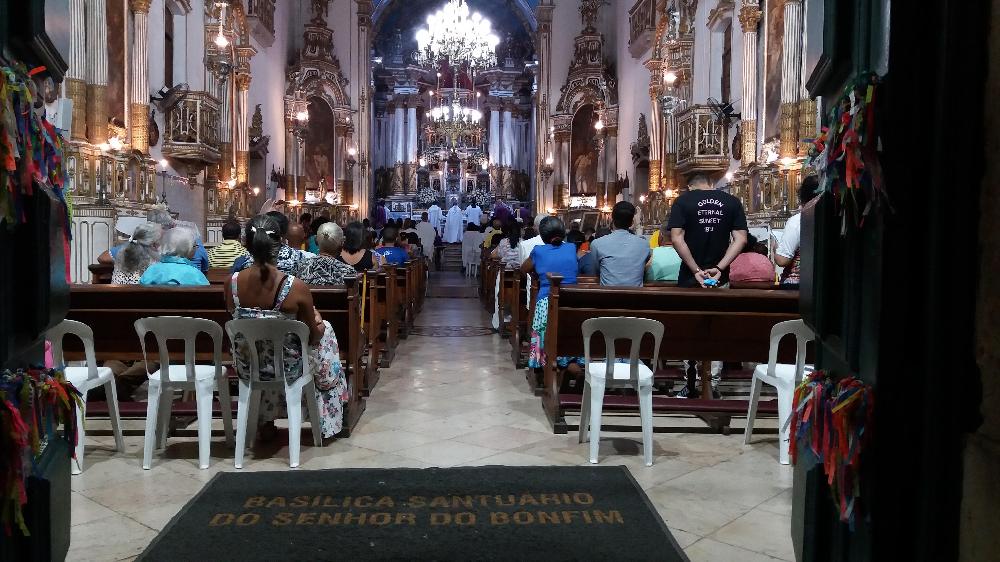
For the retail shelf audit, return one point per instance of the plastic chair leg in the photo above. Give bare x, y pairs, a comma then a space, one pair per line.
204, 394
785, 395
253, 417
755, 387
226, 407
116, 421
646, 414
242, 413
596, 405
163, 423
293, 398
152, 417
312, 404
585, 412
81, 435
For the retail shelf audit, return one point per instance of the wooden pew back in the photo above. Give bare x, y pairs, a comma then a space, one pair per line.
111, 312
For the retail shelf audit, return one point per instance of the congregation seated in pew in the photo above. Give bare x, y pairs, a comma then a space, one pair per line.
141, 251
177, 249
263, 291
225, 254
327, 268
289, 259
621, 256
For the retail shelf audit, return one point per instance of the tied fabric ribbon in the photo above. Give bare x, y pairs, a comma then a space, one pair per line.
832, 422
32, 406
845, 154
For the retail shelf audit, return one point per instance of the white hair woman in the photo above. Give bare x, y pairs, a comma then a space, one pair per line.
326, 268
175, 267
141, 251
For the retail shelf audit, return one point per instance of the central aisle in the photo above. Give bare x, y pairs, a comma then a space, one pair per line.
453, 398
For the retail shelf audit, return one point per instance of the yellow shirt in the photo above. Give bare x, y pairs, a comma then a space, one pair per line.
654, 240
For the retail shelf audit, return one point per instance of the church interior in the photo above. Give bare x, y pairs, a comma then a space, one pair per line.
375, 240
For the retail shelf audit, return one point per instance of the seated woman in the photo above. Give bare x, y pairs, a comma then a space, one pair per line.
261, 291
175, 266
326, 268
142, 251
552, 256
414, 246
664, 262
507, 250
355, 252
752, 269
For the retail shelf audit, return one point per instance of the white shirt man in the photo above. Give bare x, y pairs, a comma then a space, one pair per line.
427, 233
454, 225
473, 213
434, 216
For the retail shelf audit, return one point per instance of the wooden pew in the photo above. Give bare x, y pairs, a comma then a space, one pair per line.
520, 321
701, 325
387, 329
100, 273
374, 315
405, 295
219, 275
111, 312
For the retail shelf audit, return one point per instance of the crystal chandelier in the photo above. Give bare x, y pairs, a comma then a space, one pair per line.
455, 120
453, 34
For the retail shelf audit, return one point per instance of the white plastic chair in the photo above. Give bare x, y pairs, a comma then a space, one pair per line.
601, 375
203, 379
783, 377
85, 379
274, 330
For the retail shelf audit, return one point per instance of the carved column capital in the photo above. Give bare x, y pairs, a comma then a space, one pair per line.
242, 80
750, 15
139, 6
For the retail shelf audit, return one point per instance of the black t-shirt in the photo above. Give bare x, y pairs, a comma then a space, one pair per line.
708, 217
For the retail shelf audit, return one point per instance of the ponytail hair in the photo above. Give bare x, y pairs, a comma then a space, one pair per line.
552, 231
263, 240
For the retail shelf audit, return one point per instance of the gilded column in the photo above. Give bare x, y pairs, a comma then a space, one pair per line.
543, 14
791, 70
363, 80
139, 82
76, 75
241, 140
97, 71
228, 160
655, 123
749, 19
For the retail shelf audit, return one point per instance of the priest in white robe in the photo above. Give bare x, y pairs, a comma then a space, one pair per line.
453, 224
434, 217
473, 213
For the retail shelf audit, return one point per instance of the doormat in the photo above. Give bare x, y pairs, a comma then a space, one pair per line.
473, 513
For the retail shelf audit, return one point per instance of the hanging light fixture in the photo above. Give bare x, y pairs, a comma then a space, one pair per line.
453, 34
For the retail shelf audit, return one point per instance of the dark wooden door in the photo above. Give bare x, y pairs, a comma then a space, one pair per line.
893, 301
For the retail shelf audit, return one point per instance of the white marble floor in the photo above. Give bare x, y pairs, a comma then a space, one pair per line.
458, 401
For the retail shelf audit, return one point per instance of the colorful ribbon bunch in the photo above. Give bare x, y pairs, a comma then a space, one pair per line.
832, 421
845, 154
32, 406
31, 150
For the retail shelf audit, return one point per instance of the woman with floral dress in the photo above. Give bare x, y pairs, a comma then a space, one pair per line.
142, 250
261, 291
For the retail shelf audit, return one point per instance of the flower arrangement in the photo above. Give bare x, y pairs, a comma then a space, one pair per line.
482, 198
426, 196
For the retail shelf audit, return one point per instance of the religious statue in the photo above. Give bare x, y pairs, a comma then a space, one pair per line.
673, 22
319, 8
584, 169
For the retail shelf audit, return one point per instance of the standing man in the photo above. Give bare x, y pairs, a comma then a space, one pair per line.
473, 213
434, 216
426, 232
708, 229
622, 256
453, 224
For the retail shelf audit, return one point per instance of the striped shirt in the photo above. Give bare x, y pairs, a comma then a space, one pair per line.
226, 253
